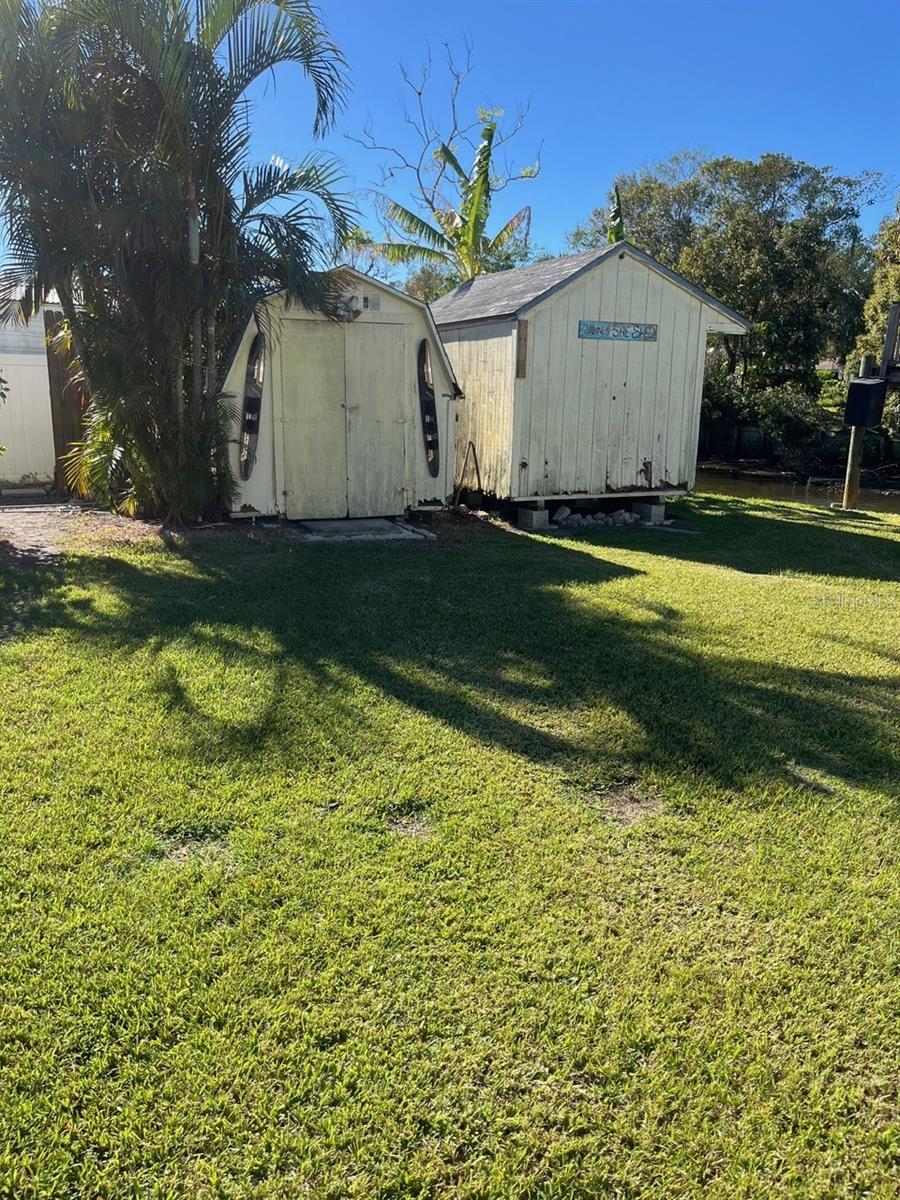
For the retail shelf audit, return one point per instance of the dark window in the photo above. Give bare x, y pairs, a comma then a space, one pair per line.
428, 409
253, 386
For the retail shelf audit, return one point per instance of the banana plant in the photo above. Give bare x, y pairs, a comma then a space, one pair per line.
457, 239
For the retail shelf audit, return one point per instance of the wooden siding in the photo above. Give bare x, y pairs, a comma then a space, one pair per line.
377, 370
391, 327
595, 416
483, 358
314, 421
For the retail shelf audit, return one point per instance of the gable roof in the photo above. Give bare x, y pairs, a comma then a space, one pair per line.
510, 294
351, 272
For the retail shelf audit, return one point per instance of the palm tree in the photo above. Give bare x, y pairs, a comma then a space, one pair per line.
457, 239
144, 209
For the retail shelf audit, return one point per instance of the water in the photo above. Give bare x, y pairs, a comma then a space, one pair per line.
764, 489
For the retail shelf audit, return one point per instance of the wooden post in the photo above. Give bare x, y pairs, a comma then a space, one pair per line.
854, 461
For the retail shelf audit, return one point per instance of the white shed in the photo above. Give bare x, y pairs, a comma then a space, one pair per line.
582, 375
347, 417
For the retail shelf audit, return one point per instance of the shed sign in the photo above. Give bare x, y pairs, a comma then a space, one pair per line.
617, 331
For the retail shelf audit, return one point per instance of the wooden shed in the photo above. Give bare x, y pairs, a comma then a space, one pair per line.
582, 375
347, 417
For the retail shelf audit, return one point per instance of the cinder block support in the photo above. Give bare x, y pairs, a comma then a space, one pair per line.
534, 518
651, 511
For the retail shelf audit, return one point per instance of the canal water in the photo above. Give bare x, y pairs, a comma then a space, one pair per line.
764, 489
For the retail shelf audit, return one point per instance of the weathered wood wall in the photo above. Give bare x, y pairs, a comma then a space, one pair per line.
595, 416
554, 414
484, 357
319, 432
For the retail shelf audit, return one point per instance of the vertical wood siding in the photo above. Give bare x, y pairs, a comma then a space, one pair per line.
483, 358
594, 416
377, 367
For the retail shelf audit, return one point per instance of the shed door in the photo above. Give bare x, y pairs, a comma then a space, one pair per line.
376, 420
315, 423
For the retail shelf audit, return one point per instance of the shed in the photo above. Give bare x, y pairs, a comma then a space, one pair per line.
582, 375
347, 417
42, 413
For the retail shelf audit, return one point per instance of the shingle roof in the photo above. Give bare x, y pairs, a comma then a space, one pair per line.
509, 293
504, 293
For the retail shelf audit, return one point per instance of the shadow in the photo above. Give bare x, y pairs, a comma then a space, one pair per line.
260, 646
770, 537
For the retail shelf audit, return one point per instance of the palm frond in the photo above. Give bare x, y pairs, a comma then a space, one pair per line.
265, 35
476, 203
415, 226
512, 229
446, 156
399, 253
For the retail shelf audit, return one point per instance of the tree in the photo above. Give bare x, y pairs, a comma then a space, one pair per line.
885, 292
361, 253
457, 239
430, 281
445, 222
142, 211
885, 288
777, 239
660, 207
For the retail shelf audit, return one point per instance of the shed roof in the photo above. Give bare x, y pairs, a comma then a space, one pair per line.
510, 294
350, 274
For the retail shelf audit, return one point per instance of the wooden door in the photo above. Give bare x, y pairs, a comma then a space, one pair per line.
377, 411
315, 420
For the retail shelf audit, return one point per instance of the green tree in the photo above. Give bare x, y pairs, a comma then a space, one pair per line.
457, 238
660, 207
777, 239
885, 292
885, 287
429, 281
444, 222
142, 206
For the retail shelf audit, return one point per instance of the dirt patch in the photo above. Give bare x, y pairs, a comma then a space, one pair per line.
413, 825
183, 851
38, 533
629, 804
188, 848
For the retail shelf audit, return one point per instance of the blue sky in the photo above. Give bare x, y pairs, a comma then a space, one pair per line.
614, 86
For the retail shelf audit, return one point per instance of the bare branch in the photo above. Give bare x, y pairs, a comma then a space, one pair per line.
433, 186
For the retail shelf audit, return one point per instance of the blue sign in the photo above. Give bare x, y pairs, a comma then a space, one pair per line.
617, 331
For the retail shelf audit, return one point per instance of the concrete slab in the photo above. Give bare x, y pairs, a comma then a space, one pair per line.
359, 529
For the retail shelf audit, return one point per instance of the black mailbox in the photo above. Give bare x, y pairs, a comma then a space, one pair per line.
865, 402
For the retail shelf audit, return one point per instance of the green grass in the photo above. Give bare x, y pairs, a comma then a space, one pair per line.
310, 885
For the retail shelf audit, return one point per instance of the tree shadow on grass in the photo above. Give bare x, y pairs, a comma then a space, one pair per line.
504, 638
771, 538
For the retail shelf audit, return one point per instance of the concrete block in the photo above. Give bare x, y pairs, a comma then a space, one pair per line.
561, 513
534, 518
653, 512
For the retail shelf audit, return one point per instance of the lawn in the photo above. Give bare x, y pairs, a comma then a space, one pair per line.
502, 866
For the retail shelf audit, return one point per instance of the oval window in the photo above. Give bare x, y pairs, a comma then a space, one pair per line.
250, 410
428, 410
